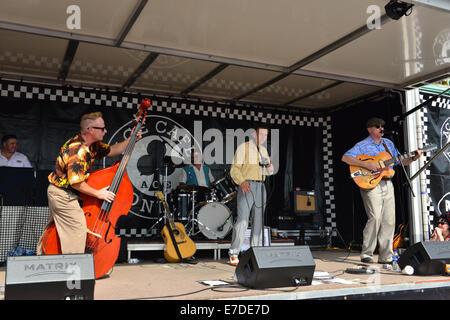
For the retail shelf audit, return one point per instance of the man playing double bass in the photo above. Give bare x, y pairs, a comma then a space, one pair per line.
68, 180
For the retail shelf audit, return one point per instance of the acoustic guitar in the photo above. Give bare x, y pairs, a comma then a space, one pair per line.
178, 244
366, 179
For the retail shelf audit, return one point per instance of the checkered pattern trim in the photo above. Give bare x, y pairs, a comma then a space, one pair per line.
443, 103
330, 206
21, 226
136, 233
244, 112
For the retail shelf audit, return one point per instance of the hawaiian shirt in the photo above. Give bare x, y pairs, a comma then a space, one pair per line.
75, 160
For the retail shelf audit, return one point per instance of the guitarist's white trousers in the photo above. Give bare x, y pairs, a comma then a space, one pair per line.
380, 227
249, 205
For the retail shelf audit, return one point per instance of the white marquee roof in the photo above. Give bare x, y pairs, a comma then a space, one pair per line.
308, 54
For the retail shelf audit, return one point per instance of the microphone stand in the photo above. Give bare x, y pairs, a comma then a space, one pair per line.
431, 160
403, 116
395, 135
263, 211
407, 178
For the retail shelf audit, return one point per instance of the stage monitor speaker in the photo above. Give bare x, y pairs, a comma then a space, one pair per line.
304, 202
427, 257
50, 277
275, 267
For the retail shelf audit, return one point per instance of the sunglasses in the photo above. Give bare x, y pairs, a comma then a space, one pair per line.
99, 128
379, 126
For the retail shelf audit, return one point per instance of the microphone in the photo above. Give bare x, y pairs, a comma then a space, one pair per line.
389, 132
264, 162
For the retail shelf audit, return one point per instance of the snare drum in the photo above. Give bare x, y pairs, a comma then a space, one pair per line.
225, 189
215, 220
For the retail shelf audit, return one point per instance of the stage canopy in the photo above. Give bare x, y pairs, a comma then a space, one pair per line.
299, 55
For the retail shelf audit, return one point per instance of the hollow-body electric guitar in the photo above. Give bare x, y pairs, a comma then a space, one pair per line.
366, 179
178, 244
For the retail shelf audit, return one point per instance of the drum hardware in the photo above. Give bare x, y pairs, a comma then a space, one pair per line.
167, 164
225, 189
203, 209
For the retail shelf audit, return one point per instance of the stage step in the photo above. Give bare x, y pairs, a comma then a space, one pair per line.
140, 245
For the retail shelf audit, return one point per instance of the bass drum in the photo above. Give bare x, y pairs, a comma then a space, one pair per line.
215, 220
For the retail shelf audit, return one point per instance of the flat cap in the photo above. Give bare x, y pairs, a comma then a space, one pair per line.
373, 122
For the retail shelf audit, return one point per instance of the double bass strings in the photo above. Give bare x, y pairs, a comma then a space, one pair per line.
102, 219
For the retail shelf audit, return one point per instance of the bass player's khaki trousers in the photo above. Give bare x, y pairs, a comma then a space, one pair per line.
69, 219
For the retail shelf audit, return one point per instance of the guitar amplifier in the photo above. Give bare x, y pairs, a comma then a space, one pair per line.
305, 202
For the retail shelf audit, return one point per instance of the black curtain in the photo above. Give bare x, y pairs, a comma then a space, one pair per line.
348, 128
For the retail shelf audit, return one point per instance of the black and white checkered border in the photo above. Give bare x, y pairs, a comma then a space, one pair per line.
443, 103
20, 90
244, 112
330, 206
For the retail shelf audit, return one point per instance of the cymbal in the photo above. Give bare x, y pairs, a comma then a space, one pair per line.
190, 188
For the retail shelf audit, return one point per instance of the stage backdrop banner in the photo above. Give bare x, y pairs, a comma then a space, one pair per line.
436, 130
44, 117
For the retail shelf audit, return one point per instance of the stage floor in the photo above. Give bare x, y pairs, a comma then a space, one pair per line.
151, 279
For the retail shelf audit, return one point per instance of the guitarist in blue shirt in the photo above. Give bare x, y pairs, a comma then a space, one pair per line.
379, 202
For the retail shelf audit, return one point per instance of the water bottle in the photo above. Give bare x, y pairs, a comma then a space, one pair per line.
395, 266
133, 261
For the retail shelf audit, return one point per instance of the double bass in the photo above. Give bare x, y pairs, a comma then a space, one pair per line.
101, 216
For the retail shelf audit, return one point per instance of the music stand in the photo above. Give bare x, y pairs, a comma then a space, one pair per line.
17, 185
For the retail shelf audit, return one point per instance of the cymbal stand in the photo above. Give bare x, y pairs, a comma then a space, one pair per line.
191, 218
162, 215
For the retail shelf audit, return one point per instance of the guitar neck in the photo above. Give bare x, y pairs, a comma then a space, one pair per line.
167, 212
399, 158
409, 155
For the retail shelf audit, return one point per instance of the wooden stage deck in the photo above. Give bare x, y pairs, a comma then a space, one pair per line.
150, 279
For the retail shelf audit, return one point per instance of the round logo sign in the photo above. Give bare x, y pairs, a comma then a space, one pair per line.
156, 161
445, 136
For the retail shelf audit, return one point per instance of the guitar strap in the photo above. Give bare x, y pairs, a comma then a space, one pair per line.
174, 241
387, 149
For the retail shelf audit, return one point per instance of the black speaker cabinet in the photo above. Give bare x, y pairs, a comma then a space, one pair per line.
276, 266
427, 257
305, 202
50, 277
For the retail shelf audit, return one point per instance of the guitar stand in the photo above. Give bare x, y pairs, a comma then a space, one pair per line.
162, 217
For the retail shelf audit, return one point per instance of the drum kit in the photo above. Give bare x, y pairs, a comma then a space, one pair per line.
204, 210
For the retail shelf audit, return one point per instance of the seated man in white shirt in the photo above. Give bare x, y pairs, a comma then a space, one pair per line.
9, 157
197, 174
